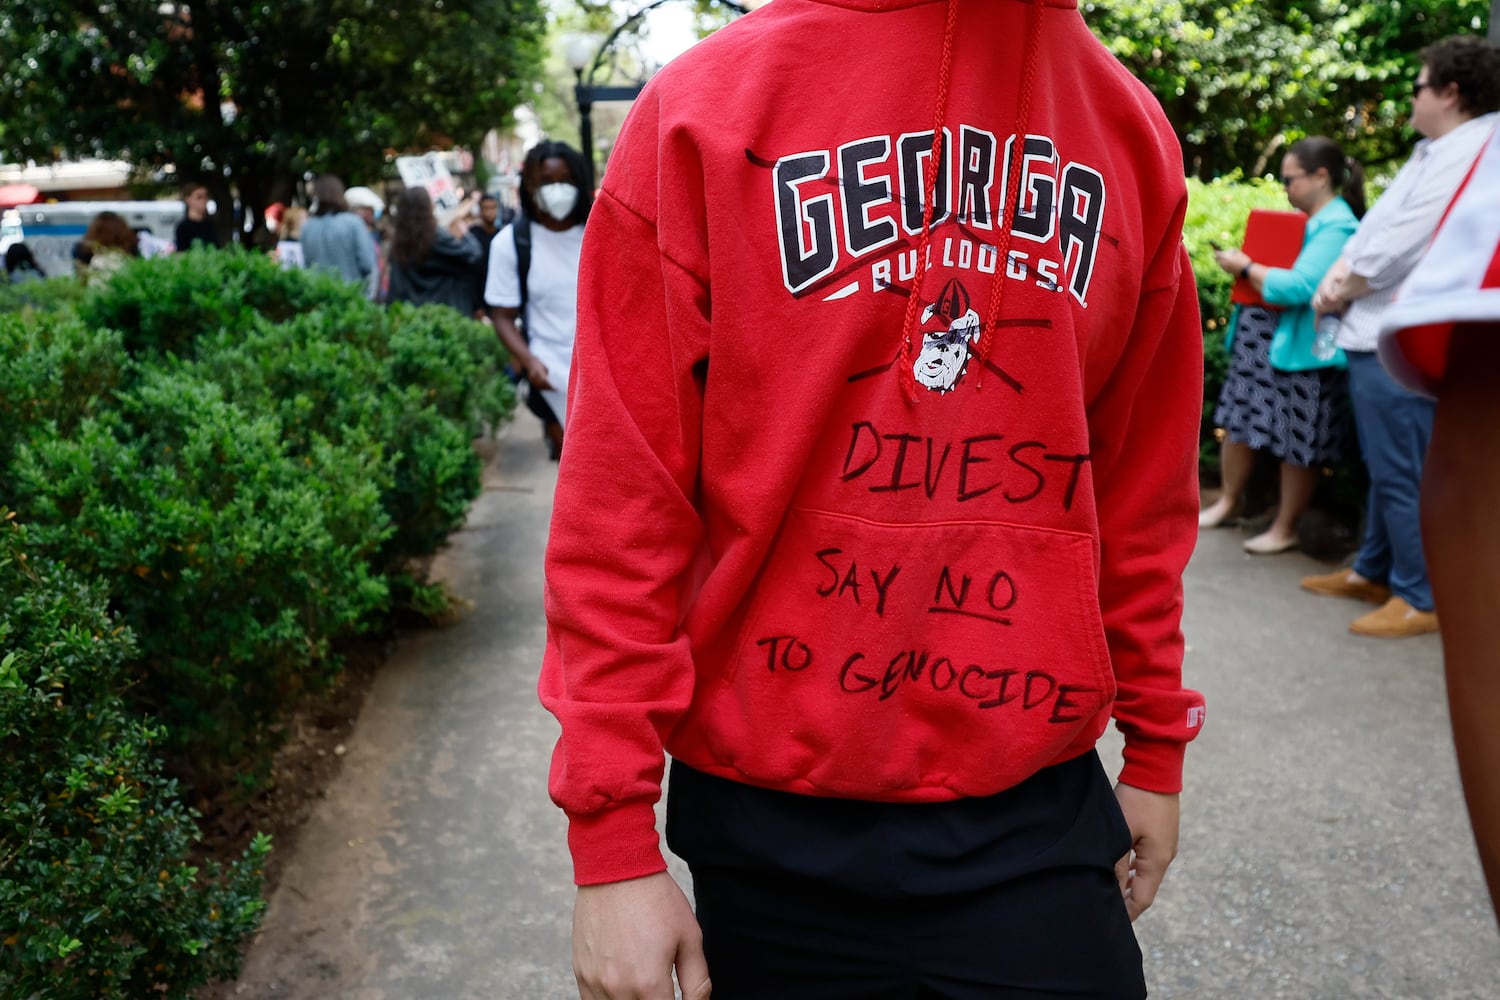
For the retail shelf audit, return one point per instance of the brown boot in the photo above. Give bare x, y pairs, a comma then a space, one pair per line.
1346, 583
1395, 619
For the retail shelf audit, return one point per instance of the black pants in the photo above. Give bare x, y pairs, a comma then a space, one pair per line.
537, 404
1002, 899
1056, 934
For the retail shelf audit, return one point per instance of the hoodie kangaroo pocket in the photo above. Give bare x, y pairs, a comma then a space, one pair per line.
896, 660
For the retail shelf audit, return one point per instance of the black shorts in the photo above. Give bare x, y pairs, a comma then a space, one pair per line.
1003, 898
537, 404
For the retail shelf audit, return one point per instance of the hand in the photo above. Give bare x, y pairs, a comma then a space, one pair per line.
628, 937
1232, 261
1153, 819
536, 374
1329, 296
1326, 299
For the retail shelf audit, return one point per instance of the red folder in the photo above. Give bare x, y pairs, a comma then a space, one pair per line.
1273, 239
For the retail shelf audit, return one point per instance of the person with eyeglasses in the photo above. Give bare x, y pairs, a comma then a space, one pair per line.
1454, 104
1280, 395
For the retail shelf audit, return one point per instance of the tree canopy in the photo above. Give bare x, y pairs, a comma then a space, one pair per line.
1239, 79
246, 96
249, 95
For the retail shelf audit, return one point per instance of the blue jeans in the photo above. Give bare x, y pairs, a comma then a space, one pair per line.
1394, 427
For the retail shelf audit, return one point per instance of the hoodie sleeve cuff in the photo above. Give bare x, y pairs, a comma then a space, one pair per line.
1153, 765
615, 845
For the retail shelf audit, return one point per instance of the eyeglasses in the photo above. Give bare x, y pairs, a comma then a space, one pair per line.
1418, 87
1287, 179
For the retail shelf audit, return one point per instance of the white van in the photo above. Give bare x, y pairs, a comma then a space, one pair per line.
53, 229
10, 229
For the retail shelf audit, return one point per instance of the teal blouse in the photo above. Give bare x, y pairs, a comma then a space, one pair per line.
1291, 289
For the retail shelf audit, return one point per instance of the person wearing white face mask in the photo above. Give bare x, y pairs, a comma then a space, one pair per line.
532, 284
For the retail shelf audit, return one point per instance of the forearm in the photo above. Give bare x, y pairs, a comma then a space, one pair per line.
1460, 494
1296, 285
1145, 445
1239, 264
1354, 286
1325, 299
626, 531
510, 337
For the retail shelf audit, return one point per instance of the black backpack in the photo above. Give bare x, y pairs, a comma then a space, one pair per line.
521, 233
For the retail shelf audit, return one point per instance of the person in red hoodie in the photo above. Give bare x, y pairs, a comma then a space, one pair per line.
882, 475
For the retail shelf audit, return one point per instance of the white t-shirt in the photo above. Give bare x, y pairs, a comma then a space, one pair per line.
551, 298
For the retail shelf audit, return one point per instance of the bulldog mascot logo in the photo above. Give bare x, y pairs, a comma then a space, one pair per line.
950, 328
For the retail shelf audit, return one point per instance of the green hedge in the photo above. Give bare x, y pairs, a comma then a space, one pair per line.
54, 371
247, 465
47, 295
97, 898
237, 561
253, 461
1217, 211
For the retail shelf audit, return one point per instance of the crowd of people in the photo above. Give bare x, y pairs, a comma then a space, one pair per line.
1285, 396
528, 288
519, 273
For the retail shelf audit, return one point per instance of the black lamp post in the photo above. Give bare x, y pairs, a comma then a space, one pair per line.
586, 69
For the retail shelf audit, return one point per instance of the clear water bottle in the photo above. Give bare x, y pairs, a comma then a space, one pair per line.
1325, 344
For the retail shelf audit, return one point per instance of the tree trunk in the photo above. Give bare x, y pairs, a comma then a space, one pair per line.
223, 196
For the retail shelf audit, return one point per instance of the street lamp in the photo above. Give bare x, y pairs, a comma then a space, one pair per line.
586, 67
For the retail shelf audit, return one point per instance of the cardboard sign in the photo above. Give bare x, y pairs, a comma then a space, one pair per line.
429, 172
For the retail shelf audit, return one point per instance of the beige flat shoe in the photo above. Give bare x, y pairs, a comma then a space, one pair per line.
1266, 544
1209, 518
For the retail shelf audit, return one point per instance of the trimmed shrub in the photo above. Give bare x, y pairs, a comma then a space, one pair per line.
54, 371
236, 561
50, 295
165, 304
246, 461
457, 364
251, 463
421, 382
97, 898
330, 364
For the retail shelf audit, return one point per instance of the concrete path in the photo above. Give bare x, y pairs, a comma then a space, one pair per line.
1325, 850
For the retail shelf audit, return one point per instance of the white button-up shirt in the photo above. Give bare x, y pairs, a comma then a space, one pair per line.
1394, 234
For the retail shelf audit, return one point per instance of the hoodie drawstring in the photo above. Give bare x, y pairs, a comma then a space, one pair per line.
910, 327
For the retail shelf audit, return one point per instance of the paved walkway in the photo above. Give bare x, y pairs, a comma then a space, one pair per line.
1325, 851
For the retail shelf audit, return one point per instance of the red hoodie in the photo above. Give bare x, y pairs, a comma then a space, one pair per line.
840, 513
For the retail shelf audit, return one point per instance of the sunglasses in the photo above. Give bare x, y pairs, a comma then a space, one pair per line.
1418, 87
1287, 179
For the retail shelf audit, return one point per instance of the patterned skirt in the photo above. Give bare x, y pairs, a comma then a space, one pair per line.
1303, 418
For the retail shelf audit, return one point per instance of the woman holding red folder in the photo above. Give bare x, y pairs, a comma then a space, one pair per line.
1280, 395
